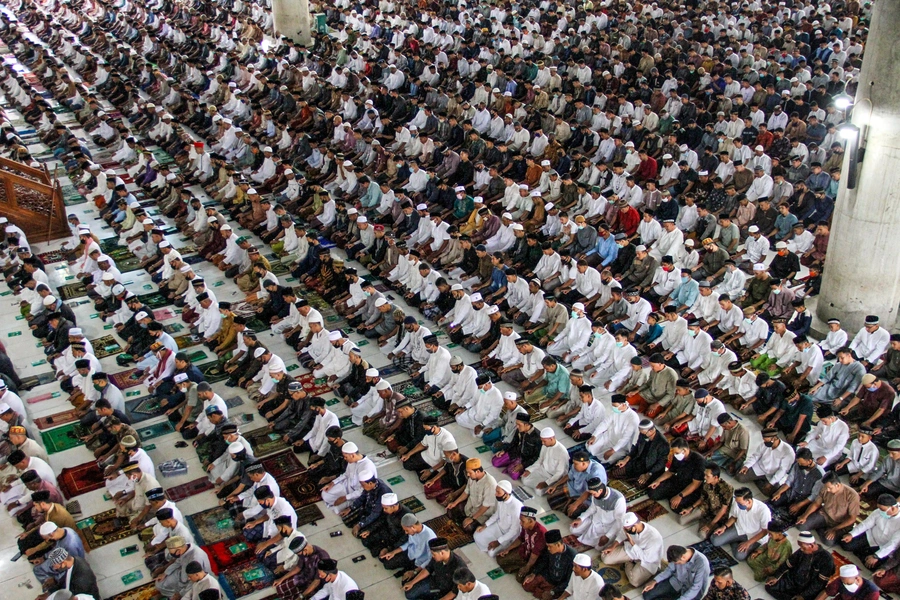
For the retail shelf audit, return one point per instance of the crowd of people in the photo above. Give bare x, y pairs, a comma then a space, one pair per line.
620, 209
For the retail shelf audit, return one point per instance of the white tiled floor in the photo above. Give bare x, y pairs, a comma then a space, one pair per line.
109, 566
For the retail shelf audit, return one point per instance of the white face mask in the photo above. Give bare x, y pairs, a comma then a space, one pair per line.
679, 456
851, 587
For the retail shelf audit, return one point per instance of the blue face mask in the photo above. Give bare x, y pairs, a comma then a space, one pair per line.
873, 388
616, 410
620, 344
884, 514
741, 506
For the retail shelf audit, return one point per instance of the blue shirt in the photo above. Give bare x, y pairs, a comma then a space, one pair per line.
685, 294
416, 546
784, 225
498, 280
607, 248
577, 483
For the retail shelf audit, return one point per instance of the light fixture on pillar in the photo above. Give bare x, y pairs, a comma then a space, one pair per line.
842, 102
851, 133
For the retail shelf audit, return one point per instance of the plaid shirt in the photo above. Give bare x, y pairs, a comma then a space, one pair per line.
714, 497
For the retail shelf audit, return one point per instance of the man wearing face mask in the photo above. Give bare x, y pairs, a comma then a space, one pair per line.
484, 409
599, 525
801, 487
504, 525
681, 483
614, 438
747, 525
805, 574
828, 438
850, 586
639, 547
876, 538
768, 464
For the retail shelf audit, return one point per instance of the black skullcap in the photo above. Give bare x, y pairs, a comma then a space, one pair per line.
438, 543
193, 568
553, 536
164, 513
524, 417
328, 565
82, 363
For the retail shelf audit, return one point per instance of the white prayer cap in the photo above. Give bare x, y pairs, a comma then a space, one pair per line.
846, 570
492, 310
507, 215
252, 191
476, 297
235, 447
517, 227
349, 448
164, 244
48, 528
583, 560
225, 227
510, 396
549, 206
362, 220
578, 306
389, 500
759, 267
380, 302
523, 186
108, 277
753, 229
267, 149
181, 378
366, 474
459, 188
545, 163
456, 287
147, 222
547, 433
334, 336
352, 211
370, 372
76, 331
316, 318
630, 519
382, 385
536, 193
110, 173
422, 207
49, 301
259, 352
780, 245
478, 200
4, 407
506, 486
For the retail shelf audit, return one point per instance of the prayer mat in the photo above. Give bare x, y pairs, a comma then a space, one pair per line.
173, 328
300, 491
72, 290
413, 504
154, 300
443, 526
309, 515
390, 371
193, 259
155, 431
313, 386
614, 575
144, 592
61, 418
42, 397
187, 340
196, 356
630, 491
187, 249
211, 526
282, 465
74, 199
129, 265
63, 438
257, 325
35, 380
143, 408
410, 391
229, 553
245, 579
82, 479
103, 529
572, 541
213, 372
648, 510
54, 256
718, 557
162, 314
347, 423
126, 379
278, 268
191, 488
428, 409
264, 442
105, 346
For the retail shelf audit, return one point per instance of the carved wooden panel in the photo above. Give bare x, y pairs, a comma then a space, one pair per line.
3, 197
33, 200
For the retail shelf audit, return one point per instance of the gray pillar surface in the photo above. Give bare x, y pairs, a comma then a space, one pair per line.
862, 271
292, 19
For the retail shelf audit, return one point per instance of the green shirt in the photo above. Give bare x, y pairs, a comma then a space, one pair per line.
557, 382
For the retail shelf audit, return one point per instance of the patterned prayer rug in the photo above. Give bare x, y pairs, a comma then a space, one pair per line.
229, 553
156, 430
264, 442
103, 529
39, 379
72, 290
213, 372
154, 300
839, 561
309, 515
143, 408
211, 525
313, 386
413, 504
284, 464
54, 256
257, 325
126, 379
144, 592
82, 479
718, 557
61, 418
128, 265
410, 391
245, 579
173, 328
63, 438
443, 526
630, 491
191, 488
613, 574
300, 491
428, 409
105, 346
572, 541
648, 510
347, 423
187, 340
389, 371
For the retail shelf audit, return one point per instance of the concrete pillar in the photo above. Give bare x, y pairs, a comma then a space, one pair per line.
292, 20
862, 272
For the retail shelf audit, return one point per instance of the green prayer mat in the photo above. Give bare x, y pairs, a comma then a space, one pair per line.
63, 438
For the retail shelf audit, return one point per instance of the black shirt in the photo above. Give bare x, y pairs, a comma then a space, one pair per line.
440, 575
687, 470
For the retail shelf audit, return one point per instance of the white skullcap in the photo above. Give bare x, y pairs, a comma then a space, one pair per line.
456, 287
578, 306
493, 310
252, 191
49, 301
352, 211
181, 378
549, 206
506, 486
753, 229
108, 277
510, 396
459, 188
389, 500
759, 267
334, 336
259, 352
141, 315
846, 570
235, 447
76, 331
371, 372
164, 244
629, 519
225, 227
382, 385
583, 560
476, 297
48, 528
422, 207
349, 448
147, 222
478, 200
315, 318
781, 245
362, 220
547, 433
380, 302
507, 215
348, 163
366, 474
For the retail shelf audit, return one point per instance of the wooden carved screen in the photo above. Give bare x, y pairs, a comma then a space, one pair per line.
32, 200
